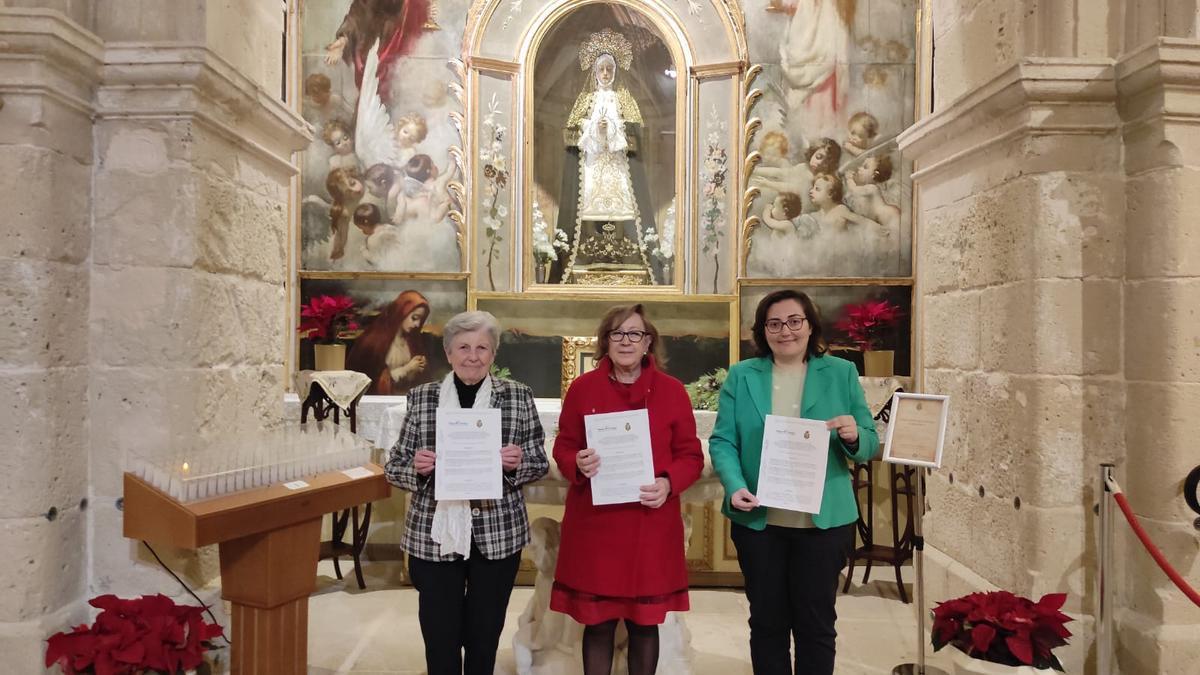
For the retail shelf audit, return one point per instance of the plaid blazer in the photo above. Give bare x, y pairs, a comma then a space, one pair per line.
499, 527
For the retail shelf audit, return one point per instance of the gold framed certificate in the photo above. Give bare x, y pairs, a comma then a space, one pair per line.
916, 429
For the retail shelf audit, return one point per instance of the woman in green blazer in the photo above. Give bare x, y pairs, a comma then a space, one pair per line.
791, 560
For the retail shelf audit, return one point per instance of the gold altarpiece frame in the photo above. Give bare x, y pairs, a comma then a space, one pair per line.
499, 47
500, 81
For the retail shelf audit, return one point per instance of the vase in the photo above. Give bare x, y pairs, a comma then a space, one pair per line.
969, 665
541, 272
330, 357
879, 363
667, 280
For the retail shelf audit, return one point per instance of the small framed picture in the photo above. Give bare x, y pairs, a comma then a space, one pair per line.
916, 429
577, 359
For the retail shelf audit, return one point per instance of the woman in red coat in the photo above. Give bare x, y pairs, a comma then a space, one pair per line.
625, 561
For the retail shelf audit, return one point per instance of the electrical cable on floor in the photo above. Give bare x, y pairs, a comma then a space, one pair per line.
186, 588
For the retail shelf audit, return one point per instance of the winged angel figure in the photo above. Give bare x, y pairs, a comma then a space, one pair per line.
399, 198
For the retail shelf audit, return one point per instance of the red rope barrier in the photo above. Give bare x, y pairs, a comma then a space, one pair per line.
1174, 576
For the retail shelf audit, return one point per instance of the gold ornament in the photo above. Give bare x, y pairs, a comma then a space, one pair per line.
606, 42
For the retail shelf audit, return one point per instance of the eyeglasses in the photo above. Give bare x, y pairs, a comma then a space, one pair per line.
634, 336
793, 323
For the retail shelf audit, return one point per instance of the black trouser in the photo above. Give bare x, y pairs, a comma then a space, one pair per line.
791, 579
461, 607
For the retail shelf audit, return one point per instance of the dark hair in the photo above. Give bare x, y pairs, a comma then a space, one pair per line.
816, 341
883, 168
792, 206
382, 174
367, 214
420, 167
833, 155
617, 316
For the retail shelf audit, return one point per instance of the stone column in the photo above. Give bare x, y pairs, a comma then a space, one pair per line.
1159, 84
1020, 226
148, 158
1019, 247
48, 77
189, 267
1057, 289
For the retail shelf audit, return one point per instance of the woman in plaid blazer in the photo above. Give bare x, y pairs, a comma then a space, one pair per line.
463, 556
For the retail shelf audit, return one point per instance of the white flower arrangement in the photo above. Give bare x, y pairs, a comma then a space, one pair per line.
546, 248
662, 246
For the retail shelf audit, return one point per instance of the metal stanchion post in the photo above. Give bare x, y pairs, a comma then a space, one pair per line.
1104, 577
919, 668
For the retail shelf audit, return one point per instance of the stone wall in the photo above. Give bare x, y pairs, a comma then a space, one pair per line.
151, 157
1054, 236
1159, 82
47, 83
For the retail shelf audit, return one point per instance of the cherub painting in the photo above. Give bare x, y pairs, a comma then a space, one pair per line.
839, 85
375, 89
346, 189
337, 135
406, 190
821, 157
862, 130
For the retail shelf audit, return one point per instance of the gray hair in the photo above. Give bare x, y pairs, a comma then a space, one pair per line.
469, 322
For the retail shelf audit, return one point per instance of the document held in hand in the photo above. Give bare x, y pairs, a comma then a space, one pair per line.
468, 454
622, 441
791, 474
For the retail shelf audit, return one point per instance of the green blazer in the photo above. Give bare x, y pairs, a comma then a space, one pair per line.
831, 388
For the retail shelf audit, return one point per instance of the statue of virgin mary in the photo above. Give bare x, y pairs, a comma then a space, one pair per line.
606, 202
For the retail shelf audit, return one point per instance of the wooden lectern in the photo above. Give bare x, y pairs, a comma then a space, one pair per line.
268, 539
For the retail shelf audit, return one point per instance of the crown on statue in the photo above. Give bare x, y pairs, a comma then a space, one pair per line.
608, 42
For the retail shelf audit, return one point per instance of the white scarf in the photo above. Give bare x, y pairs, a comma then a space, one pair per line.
451, 527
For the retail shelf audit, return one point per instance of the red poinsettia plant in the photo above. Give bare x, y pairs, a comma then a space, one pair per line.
868, 323
326, 318
1003, 628
150, 634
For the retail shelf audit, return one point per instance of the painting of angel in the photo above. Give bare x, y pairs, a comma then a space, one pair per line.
834, 191
374, 199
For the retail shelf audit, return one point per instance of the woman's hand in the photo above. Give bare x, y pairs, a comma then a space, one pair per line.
588, 462
847, 428
510, 457
423, 461
655, 494
419, 363
742, 500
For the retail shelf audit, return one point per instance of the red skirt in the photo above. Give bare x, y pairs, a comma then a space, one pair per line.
590, 609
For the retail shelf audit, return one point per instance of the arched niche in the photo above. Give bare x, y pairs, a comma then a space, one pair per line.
521, 77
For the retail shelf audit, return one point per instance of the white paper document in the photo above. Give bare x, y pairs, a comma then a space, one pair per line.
622, 441
468, 454
791, 474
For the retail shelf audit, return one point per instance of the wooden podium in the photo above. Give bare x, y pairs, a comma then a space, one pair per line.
268, 540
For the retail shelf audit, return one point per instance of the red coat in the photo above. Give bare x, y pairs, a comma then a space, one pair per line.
626, 550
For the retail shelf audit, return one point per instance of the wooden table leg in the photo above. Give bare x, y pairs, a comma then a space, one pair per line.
268, 578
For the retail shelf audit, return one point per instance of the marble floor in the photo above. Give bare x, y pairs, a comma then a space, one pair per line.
376, 631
